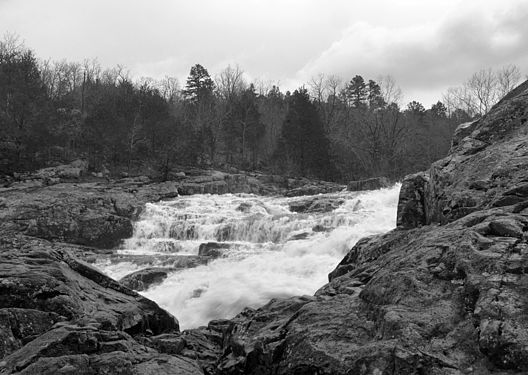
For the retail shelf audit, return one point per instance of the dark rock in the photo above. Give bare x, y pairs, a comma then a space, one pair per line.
368, 184
299, 236
506, 228
244, 207
143, 279
316, 204
41, 276
411, 203
72, 349
19, 326
213, 249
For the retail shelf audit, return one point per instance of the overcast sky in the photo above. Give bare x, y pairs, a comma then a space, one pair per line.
426, 45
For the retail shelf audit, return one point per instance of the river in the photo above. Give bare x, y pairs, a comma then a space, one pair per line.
265, 249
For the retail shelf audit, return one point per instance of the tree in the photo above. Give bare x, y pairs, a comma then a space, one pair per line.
199, 97
24, 107
199, 85
439, 110
416, 108
375, 100
304, 144
482, 90
357, 91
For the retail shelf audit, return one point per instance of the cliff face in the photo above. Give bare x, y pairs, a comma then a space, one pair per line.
444, 293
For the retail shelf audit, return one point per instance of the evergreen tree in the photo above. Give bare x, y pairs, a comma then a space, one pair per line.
199, 85
304, 142
375, 100
357, 91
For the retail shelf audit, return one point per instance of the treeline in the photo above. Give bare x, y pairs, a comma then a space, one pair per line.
54, 112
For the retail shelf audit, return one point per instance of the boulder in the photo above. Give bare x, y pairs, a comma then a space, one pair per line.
316, 204
42, 285
74, 349
143, 279
411, 202
213, 249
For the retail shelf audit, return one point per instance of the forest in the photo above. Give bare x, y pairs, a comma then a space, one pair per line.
331, 128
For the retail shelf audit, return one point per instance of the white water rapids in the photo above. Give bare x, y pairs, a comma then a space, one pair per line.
272, 252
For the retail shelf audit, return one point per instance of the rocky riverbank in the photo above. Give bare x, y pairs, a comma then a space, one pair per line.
444, 293
61, 315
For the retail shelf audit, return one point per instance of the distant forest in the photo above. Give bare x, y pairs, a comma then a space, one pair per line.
330, 128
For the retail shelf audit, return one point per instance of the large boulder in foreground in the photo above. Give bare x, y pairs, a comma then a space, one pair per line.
445, 293
59, 315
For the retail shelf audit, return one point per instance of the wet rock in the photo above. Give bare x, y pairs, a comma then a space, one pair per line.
299, 236
42, 276
316, 205
19, 326
368, 184
213, 249
72, 349
411, 203
143, 279
506, 227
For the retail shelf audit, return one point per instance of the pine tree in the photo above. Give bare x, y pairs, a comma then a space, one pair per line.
303, 138
199, 85
357, 91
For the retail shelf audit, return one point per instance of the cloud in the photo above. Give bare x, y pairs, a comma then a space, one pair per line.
429, 57
425, 44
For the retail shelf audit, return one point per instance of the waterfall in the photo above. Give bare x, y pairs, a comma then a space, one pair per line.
265, 250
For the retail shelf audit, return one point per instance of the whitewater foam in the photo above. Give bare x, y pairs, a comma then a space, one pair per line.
273, 252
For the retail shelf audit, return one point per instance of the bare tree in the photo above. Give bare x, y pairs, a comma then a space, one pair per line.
230, 82
11, 44
390, 91
483, 85
482, 90
169, 88
508, 77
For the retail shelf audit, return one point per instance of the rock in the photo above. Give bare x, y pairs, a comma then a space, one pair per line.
43, 285
244, 207
368, 184
143, 279
316, 205
299, 236
73, 349
74, 170
506, 228
19, 326
411, 202
462, 131
213, 249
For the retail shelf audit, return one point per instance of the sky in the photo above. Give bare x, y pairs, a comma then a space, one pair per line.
425, 45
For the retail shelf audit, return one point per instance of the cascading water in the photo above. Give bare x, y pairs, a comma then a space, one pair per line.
266, 250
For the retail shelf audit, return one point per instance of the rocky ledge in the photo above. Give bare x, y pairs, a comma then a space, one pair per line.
445, 293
